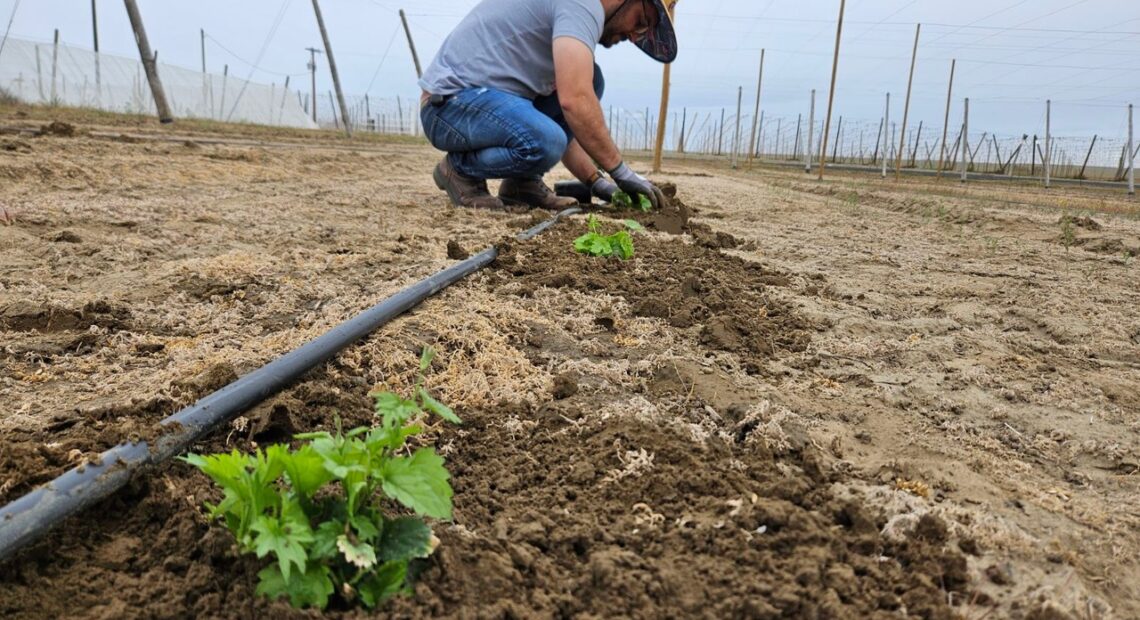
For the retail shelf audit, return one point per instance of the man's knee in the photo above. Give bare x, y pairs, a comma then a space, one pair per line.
544, 149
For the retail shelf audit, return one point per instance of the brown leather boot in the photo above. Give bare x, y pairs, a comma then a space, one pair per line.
533, 193
464, 191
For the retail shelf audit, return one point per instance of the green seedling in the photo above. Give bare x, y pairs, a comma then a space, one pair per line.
316, 510
623, 201
619, 244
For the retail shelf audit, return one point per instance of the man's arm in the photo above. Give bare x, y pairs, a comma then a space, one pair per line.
574, 79
579, 163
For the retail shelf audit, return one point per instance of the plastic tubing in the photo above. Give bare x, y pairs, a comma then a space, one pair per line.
30, 517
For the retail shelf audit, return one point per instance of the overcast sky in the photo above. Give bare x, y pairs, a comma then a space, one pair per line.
1012, 54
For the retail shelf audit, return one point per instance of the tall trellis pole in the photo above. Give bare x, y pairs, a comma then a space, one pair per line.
1131, 157
332, 69
661, 118
831, 95
906, 106
756, 114
149, 65
736, 138
946, 120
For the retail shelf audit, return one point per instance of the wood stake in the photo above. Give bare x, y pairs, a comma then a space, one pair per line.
965, 139
664, 114
1047, 158
332, 69
1131, 157
809, 153
164, 115
54, 68
831, 95
886, 136
946, 121
736, 139
411, 44
906, 106
756, 114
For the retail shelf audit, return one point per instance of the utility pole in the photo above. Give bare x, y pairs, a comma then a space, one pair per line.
149, 65
663, 116
313, 72
906, 106
831, 95
95, 35
809, 151
946, 121
332, 68
411, 44
1131, 157
756, 114
966, 139
736, 139
886, 138
1048, 159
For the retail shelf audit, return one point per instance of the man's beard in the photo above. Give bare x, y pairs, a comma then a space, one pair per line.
610, 38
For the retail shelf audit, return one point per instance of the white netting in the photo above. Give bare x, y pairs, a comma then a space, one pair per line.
43, 73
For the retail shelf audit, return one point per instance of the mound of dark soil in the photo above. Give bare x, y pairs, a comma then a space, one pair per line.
690, 286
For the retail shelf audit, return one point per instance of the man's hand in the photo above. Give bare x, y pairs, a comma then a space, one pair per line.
604, 189
634, 184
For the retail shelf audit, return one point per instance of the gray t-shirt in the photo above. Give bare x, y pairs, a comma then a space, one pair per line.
508, 45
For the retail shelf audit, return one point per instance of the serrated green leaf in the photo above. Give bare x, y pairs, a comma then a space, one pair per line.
420, 483
438, 408
393, 410
405, 538
622, 245
645, 203
621, 200
308, 589
634, 225
324, 540
226, 470
306, 471
365, 525
386, 582
272, 537
593, 244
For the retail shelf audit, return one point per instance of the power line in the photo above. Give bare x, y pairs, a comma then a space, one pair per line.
261, 54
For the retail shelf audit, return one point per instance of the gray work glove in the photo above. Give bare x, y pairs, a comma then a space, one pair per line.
604, 189
636, 185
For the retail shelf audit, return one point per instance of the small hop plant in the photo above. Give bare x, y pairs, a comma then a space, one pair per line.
624, 201
619, 244
316, 510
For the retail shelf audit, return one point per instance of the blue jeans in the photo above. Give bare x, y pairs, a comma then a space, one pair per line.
491, 134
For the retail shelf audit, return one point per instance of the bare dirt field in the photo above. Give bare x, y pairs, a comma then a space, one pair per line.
855, 398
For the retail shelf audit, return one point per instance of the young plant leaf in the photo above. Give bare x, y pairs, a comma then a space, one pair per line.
405, 539
622, 244
425, 358
644, 203
272, 537
621, 200
634, 225
309, 589
437, 407
420, 483
383, 584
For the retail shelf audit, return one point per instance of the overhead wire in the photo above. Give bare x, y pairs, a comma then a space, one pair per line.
261, 54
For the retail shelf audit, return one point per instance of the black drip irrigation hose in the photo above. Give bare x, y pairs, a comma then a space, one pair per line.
30, 517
